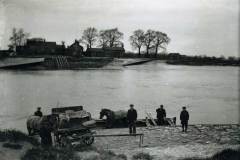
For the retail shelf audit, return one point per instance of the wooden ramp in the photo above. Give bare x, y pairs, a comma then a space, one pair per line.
137, 62
170, 121
57, 62
149, 116
18, 62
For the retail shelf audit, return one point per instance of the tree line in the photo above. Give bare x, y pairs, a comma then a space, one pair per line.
91, 37
150, 39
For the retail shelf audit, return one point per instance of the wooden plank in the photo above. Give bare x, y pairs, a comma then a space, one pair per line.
149, 115
170, 122
117, 135
147, 123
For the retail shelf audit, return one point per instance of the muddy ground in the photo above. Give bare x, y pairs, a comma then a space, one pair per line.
171, 143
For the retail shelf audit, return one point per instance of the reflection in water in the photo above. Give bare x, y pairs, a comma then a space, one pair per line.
210, 93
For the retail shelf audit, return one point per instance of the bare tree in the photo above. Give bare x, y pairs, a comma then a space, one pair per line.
18, 38
149, 37
89, 36
161, 39
110, 37
137, 40
102, 39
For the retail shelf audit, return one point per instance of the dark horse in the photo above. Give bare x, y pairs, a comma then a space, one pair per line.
114, 118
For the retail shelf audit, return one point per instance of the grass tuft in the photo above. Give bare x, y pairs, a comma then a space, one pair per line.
226, 154
142, 156
122, 156
16, 136
12, 146
49, 154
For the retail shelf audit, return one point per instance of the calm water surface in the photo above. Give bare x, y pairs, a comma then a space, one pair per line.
210, 93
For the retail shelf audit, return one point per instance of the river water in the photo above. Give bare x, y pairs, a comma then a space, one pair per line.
209, 92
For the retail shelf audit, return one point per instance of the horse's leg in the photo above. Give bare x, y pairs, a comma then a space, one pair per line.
29, 131
124, 122
108, 123
113, 122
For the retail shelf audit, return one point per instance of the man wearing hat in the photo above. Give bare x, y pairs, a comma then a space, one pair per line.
184, 117
38, 112
161, 115
132, 117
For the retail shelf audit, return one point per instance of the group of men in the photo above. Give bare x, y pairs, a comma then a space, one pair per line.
161, 118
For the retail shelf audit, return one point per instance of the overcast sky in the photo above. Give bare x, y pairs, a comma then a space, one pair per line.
196, 27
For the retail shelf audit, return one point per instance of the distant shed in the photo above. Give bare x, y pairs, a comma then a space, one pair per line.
105, 52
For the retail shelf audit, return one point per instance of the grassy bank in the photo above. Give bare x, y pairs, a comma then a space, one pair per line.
16, 145
15, 136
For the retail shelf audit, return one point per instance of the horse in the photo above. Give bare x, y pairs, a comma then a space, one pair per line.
35, 122
114, 118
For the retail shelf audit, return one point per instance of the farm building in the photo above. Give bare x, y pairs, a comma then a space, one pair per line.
39, 47
105, 52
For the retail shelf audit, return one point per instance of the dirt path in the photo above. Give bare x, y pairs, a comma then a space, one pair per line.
200, 140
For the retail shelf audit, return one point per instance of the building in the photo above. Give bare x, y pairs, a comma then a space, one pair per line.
74, 50
40, 47
5, 53
105, 52
174, 56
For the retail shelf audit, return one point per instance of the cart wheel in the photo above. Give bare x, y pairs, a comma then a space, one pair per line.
88, 140
65, 142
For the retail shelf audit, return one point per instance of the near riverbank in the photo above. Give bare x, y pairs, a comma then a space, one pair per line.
166, 142
162, 142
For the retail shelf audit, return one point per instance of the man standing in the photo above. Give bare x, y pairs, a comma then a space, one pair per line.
132, 117
38, 112
161, 115
45, 134
184, 117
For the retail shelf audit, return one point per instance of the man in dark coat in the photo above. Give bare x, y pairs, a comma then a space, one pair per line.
161, 115
184, 117
132, 117
38, 112
45, 134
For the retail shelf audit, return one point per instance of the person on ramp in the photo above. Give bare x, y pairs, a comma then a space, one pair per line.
184, 117
132, 117
161, 115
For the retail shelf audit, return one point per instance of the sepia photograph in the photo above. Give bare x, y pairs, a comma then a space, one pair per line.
119, 80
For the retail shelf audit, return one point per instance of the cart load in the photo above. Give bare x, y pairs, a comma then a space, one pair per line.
73, 116
74, 125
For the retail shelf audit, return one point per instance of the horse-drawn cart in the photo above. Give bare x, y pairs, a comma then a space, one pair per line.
74, 126
74, 137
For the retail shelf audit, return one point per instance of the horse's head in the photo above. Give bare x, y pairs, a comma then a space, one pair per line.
104, 112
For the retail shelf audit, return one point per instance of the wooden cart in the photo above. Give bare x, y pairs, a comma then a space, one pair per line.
74, 132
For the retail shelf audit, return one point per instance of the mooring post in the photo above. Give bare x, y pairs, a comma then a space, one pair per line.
140, 140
